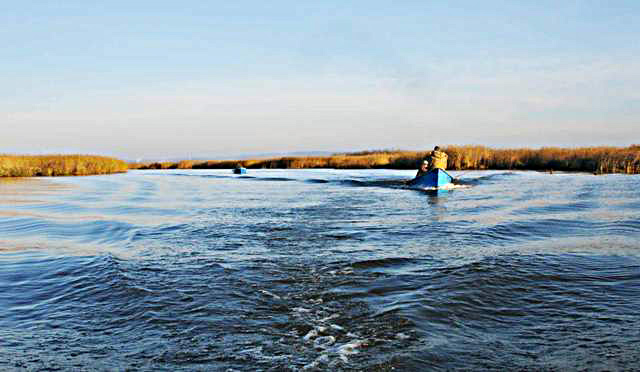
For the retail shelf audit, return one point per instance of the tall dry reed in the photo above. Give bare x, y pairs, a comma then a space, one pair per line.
58, 165
587, 159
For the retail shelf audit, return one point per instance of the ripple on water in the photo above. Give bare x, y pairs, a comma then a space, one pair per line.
107, 232
515, 311
317, 270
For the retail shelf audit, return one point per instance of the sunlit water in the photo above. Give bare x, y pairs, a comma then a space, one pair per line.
319, 269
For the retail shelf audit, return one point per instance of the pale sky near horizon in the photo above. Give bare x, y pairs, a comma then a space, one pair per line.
168, 79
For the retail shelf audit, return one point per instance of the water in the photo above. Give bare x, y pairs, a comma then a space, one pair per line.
319, 269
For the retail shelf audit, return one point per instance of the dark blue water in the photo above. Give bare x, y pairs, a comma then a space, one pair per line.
319, 269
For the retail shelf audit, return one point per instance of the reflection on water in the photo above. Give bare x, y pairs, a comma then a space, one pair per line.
319, 269
15, 186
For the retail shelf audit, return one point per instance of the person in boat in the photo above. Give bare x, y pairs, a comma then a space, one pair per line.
424, 168
438, 159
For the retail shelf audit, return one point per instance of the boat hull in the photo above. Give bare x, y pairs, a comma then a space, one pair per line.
435, 178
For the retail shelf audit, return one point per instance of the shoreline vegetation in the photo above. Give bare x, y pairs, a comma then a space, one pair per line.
597, 160
59, 165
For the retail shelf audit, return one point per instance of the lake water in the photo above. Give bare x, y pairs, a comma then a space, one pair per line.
319, 269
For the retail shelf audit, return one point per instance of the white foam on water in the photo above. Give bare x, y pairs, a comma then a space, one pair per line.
324, 342
301, 310
330, 317
342, 352
321, 360
347, 271
256, 353
349, 349
449, 186
337, 327
267, 293
310, 335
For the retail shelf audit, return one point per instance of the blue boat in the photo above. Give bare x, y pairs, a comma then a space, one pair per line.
240, 170
435, 178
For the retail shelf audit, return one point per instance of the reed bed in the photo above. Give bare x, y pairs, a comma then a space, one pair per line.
588, 159
58, 165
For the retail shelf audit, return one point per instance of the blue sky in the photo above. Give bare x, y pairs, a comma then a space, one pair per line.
141, 79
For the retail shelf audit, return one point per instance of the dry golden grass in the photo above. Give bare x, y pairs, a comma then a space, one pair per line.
587, 159
58, 165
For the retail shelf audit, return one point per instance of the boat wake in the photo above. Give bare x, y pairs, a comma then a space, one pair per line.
448, 187
461, 181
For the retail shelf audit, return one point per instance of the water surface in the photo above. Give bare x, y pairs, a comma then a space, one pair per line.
319, 269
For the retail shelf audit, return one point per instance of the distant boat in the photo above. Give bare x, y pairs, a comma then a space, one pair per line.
435, 178
240, 170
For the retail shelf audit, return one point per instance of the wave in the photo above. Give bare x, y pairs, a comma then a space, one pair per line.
87, 232
274, 179
482, 179
316, 180
506, 311
389, 262
571, 207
